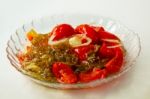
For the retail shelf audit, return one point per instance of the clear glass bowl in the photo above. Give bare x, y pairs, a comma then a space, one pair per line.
130, 40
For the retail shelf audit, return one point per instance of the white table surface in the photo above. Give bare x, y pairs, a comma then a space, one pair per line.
133, 13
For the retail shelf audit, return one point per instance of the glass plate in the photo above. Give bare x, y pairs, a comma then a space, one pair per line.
130, 40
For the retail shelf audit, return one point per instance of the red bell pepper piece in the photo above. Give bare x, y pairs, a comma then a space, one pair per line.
64, 73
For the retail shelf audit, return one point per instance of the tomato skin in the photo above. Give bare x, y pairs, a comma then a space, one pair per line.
82, 51
89, 31
62, 31
106, 52
106, 35
116, 62
98, 28
95, 74
64, 73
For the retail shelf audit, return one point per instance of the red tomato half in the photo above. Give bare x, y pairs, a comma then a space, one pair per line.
96, 73
83, 51
64, 73
62, 31
116, 62
89, 31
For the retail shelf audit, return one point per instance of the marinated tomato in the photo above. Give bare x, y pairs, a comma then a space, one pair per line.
64, 73
72, 55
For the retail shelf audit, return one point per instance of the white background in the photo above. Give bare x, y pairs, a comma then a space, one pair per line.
135, 14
